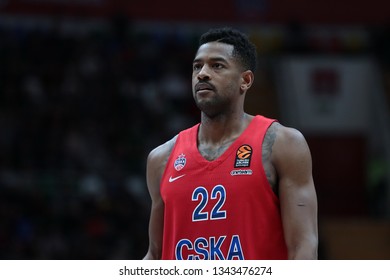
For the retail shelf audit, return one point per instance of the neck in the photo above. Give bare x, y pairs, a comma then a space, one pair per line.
222, 128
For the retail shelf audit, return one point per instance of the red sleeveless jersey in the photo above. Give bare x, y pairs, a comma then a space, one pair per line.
221, 209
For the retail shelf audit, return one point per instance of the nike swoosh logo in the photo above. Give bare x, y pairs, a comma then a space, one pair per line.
175, 178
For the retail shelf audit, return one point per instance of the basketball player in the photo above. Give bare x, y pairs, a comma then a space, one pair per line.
235, 186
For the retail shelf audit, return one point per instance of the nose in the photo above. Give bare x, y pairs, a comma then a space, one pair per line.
203, 73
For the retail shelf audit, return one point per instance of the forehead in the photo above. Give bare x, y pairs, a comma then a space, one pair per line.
214, 50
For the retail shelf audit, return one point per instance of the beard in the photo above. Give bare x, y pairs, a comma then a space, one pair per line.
212, 106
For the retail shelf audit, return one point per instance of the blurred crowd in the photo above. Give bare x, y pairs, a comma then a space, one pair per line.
78, 116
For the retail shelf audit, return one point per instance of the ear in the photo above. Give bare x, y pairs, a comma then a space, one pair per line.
247, 79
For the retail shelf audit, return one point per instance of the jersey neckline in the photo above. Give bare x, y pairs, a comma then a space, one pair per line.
234, 146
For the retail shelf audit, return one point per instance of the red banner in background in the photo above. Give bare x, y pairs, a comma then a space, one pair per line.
247, 11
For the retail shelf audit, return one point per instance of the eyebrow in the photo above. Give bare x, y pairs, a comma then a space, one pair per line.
214, 59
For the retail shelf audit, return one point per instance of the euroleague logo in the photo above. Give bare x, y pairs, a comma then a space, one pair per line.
243, 156
180, 162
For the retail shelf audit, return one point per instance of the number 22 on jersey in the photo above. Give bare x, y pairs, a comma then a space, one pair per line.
217, 197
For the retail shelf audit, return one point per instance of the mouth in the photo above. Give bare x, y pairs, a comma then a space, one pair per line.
203, 86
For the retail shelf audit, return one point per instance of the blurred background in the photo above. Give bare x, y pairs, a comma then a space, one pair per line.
89, 87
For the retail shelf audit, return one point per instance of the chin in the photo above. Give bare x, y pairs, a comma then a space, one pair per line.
210, 111
211, 107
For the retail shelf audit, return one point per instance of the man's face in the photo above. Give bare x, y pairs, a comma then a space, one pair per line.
216, 77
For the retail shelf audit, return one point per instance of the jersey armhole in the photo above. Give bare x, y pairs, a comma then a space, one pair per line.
263, 172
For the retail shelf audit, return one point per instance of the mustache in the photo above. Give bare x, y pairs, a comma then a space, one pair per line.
204, 85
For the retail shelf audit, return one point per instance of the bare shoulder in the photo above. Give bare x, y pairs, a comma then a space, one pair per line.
158, 157
284, 149
291, 137
288, 136
161, 153
280, 139
290, 148
156, 162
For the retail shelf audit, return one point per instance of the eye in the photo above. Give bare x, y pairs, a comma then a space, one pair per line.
218, 65
196, 66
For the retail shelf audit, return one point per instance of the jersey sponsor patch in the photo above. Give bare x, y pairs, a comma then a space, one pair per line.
180, 162
243, 156
241, 172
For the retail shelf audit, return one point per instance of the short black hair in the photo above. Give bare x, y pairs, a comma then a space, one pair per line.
244, 49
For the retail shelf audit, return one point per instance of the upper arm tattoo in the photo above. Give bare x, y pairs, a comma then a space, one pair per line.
268, 142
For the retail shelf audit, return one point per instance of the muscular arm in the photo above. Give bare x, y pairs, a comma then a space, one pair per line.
292, 161
156, 162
